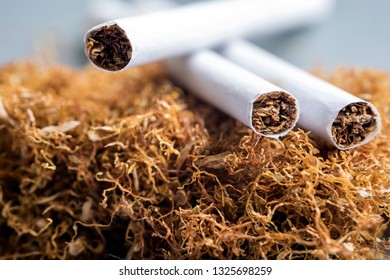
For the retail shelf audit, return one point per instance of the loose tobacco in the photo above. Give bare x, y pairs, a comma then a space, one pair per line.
96, 165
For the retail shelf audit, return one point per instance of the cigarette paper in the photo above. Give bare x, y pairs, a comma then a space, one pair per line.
102, 10
131, 41
334, 115
265, 108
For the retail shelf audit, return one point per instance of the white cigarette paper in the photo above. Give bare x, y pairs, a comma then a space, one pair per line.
334, 115
131, 41
102, 10
260, 105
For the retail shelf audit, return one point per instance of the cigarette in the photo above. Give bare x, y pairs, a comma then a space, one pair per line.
334, 115
267, 109
118, 44
102, 10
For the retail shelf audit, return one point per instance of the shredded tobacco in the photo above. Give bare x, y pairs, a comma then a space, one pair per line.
96, 165
353, 124
109, 48
274, 113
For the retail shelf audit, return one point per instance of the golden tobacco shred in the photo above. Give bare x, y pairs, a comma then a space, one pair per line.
96, 165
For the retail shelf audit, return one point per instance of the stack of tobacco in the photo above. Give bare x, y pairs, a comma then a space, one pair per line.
96, 165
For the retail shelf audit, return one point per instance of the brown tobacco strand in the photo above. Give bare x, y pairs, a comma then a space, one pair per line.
109, 48
353, 124
273, 113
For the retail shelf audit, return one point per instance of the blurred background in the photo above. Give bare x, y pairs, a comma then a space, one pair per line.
355, 34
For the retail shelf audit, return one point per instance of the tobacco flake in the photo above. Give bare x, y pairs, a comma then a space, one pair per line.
273, 113
109, 48
353, 124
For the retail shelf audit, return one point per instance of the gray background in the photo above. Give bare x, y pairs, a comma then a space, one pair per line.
357, 34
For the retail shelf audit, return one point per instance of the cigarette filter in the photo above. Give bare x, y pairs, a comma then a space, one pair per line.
131, 41
336, 116
267, 109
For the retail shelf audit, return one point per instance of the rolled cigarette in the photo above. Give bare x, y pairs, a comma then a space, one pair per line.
265, 108
131, 41
102, 10
334, 115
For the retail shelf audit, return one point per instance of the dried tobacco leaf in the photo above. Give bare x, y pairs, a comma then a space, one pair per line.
96, 165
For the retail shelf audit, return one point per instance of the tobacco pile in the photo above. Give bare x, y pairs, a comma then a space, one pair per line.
95, 165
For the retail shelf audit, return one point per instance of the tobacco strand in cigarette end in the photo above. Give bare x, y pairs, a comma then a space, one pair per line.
354, 123
274, 113
109, 48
